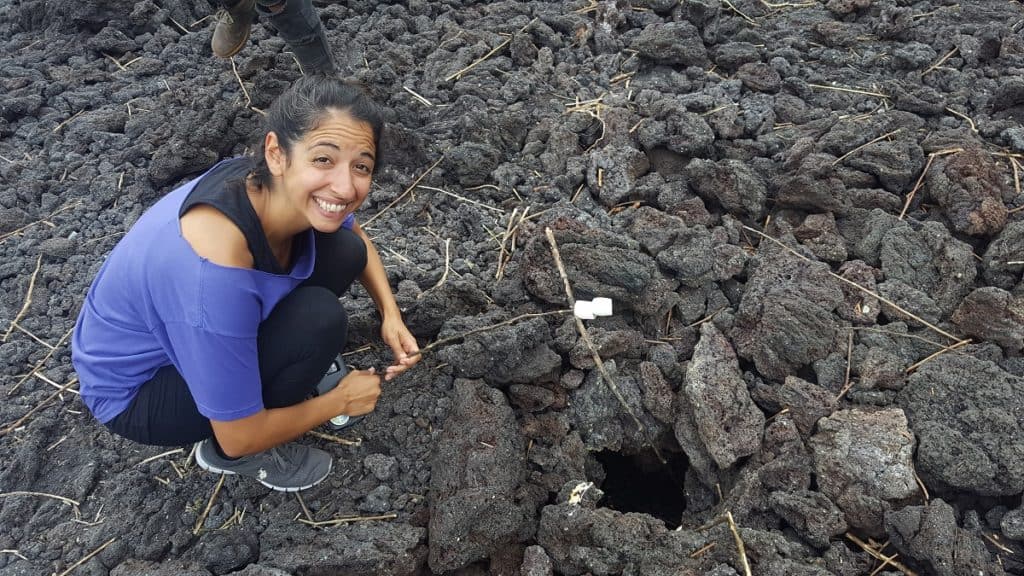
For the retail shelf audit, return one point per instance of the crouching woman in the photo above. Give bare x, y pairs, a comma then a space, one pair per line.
216, 317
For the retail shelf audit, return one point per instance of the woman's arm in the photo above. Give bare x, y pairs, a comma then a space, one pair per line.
393, 330
274, 426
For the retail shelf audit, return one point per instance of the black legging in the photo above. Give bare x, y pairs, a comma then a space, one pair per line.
296, 343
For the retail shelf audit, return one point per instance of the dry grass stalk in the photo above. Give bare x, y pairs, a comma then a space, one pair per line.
503, 255
1016, 183
750, 20
879, 556
965, 117
66, 122
17, 423
949, 348
494, 51
940, 62
847, 384
706, 318
849, 90
700, 551
788, 4
920, 179
605, 376
209, 506
995, 542
348, 520
180, 27
162, 455
464, 199
404, 194
13, 553
73, 503
87, 557
33, 336
881, 298
335, 439
38, 374
28, 299
865, 145
234, 69
920, 484
42, 221
302, 503
447, 268
740, 548
421, 99
39, 364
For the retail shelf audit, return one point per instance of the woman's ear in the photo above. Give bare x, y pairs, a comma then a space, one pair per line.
277, 161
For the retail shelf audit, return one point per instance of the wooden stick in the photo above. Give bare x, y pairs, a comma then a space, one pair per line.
31, 224
447, 268
750, 20
939, 353
350, 519
849, 361
864, 145
87, 557
605, 376
209, 506
65, 123
403, 194
302, 503
13, 553
444, 341
965, 117
38, 374
489, 54
13, 426
501, 247
702, 550
28, 299
422, 100
741, 549
44, 495
858, 286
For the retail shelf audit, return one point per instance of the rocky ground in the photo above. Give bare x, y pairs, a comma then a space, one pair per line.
806, 213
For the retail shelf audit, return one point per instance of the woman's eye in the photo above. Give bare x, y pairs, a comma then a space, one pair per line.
322, 160
364, 168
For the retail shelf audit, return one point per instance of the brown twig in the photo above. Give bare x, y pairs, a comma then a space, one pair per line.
37, 222
464, 199
858, 286
879, 556
348, 520
421, 99
87, 557
740, 548
750, 20
28, 300
65, 123
503, 255
940, 62
920, 179
1016, 183
444, 341
865, 145
403, 194
13, 426
209, 506
489, 54
700, 551
992, 539
949, 348
447, 268
302, 503
585, 335
248, 101
920, 484
333, 438
161, 455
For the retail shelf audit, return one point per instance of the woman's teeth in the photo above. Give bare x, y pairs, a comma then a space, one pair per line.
327, 207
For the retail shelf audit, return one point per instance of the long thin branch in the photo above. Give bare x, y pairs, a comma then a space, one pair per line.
404, 194
858, 286
444, 341
28, 300
605, 376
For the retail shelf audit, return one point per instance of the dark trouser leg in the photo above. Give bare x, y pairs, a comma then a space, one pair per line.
297, 343
298, 24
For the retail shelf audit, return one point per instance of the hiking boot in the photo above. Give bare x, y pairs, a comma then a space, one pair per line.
232, 29
286, 468
298, 24
331, 379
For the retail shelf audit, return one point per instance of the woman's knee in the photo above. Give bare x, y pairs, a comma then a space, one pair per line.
309, 312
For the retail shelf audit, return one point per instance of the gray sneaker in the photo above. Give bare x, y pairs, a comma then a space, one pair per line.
287, 468
331, 379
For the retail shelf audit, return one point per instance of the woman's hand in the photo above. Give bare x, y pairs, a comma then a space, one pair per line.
403, 346
357, 392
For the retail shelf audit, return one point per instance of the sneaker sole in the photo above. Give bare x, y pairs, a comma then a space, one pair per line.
211, 468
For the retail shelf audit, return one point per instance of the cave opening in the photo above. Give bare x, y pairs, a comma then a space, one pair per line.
641, 483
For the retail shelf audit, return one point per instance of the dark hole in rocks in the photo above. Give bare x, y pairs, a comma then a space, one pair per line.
640, 483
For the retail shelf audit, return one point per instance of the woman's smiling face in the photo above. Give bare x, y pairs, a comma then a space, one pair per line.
327, 174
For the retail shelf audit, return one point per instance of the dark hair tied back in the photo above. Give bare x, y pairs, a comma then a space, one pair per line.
301, 108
